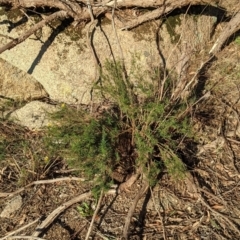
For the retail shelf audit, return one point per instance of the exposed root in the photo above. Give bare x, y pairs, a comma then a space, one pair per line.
132, 208
160, 216
126, 185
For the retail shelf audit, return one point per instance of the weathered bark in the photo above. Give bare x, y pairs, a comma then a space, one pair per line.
158, 3
78, 10
232, 27
79, 13
71, 8
13, 43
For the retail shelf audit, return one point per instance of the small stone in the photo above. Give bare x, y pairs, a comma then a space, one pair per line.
12, 206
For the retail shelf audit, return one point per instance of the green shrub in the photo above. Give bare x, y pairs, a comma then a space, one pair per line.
151, 124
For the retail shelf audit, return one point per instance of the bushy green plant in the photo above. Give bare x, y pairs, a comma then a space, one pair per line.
85, 141
152, 123
155, 125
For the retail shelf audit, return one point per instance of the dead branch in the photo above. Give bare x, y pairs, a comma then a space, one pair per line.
40, 182
71, 8
232, 27
25, 237
8, 46
164, 7
132, 208
57, 211
61, 209
157, 3
19, 229
219, 215
94, 216
78, 13
159, 214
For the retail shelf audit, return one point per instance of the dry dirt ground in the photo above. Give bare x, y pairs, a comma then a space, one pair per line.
205, 205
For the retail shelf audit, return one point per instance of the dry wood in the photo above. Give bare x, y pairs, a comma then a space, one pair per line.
126, 185
226, 218
159, 214
71, 8
94, 216
142, 191
19, 229
54, 214
232, 27
8, 46
157, 3
40, 182
164, 7
25, 237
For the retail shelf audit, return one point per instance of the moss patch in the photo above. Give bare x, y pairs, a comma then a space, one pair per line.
171, 23
144, 32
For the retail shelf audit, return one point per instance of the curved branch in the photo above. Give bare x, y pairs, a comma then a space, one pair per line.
13, 43
232, 27
158, 3
71, 8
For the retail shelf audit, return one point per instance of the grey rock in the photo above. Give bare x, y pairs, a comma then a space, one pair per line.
12, 206
18, 85
34, 115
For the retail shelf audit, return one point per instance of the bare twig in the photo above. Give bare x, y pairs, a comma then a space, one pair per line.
41, 182
115, 32
220, 215
25, 237
19, 229
16, 41
132, 208
62, 208
160, 216
232, 27
52, 216
94, 216
164, 7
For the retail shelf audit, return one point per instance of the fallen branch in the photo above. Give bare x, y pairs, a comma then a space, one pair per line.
94, 216
46, 20
164, 7
73, 9
41, 182
157, 3
53, 215
232, 27
25, 237
132, 208
236, 228
159, 214
57, 211
19, 229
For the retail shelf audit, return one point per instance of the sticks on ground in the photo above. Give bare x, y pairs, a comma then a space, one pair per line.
232, 27
19, 229
41, 182
13, 43
53, 215
94, 216
132, 208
